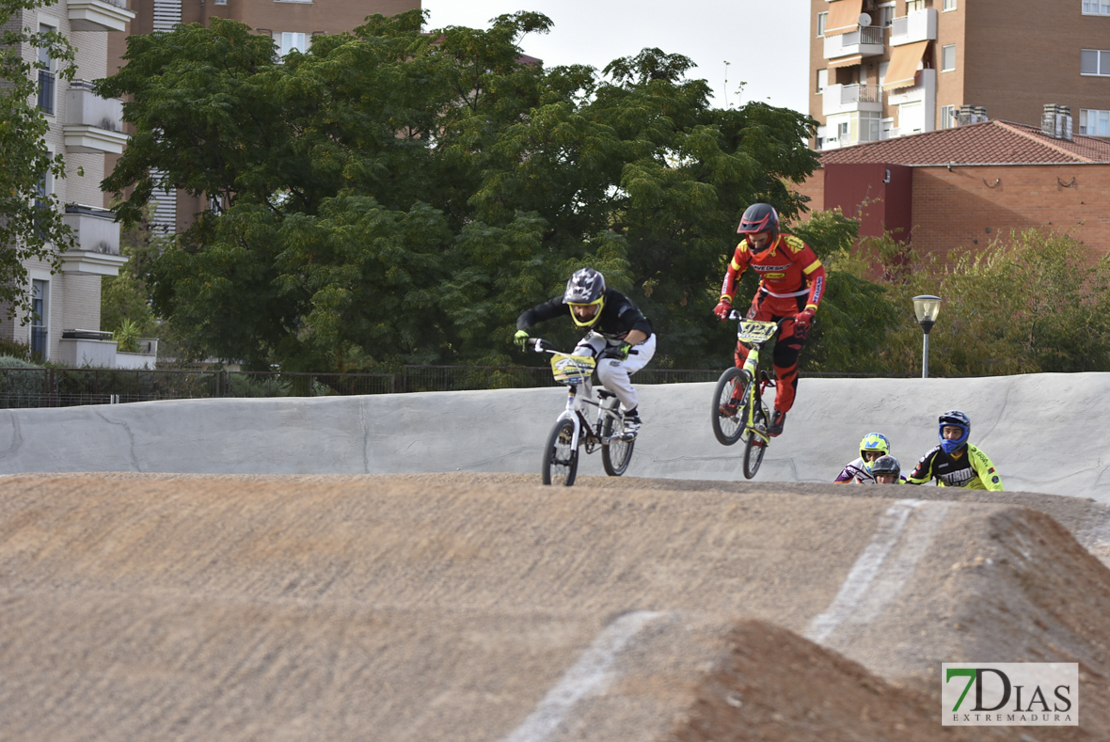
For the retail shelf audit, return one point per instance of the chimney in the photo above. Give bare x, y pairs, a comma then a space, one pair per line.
1056, 121
969, 114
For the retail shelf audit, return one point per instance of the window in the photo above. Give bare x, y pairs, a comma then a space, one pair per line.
291, 41
47, 83
912, 5
948, 58
1094, 62
947, 117
842, 132
822, 80
886, 15
40, 290
43, 191
886, 129
870, 125
822, 18
1094, 123
911, 118
949, 4
1096, 7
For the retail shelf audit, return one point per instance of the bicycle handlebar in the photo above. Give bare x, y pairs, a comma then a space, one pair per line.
736, 316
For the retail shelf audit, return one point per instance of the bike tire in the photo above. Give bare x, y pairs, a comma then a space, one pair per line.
616, 456
560, 459
729, 428
755, 447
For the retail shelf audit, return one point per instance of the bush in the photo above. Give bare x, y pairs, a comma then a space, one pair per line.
21, 388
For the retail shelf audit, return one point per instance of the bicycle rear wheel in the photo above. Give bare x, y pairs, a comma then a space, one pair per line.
560, 457
728, 406
616, 456
755, 447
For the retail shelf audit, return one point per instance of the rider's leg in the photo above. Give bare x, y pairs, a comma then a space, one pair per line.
614, 374
787, 351
590, 345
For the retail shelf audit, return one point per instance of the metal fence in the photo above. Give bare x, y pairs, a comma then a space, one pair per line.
461, 378
66, 387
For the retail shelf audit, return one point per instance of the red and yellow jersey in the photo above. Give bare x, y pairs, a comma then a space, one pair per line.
789, 268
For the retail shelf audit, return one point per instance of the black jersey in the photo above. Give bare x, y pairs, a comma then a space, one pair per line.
973, 469
618, 315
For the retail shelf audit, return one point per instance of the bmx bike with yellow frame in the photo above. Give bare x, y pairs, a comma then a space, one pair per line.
573, 429
739, 412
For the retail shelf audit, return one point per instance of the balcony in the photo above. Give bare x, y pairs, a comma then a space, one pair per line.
920, 25
851, 99
865, 41
97, 237
917, 106
93, 124
99, 15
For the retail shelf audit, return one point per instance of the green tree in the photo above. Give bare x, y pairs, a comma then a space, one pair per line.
32, 227
394, 196
1034, 301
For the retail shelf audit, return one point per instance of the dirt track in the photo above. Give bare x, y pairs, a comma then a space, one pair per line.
487, 607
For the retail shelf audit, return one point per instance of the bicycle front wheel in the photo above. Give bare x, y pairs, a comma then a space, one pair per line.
755, 447
616, 456
728, 413
560, 456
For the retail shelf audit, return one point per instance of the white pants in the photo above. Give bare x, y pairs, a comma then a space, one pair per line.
613, 373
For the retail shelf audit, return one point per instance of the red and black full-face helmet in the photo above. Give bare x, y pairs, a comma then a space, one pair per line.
760, 218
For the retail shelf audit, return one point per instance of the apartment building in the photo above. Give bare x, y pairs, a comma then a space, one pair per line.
84, 128
291, 24
882, 69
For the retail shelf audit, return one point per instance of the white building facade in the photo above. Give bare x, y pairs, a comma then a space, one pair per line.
83, 128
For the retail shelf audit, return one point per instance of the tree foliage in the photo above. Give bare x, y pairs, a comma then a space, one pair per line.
1034, 301
31, 227
393, 196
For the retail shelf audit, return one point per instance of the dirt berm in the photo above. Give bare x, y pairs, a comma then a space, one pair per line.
487, 607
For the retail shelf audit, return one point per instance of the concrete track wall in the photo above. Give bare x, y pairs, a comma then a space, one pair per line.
1045, 432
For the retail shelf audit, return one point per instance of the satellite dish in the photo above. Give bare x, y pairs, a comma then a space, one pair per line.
864, 20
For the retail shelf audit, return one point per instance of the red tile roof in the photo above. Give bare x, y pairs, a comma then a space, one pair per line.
985, 143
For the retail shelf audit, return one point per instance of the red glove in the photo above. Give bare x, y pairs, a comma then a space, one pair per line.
722, 309
802, 321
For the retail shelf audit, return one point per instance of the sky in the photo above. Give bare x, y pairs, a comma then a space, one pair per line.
765, 42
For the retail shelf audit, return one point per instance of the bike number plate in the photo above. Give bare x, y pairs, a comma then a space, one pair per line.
572, 369
755, 331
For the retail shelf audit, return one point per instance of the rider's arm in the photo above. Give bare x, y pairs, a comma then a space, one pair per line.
984, 468
804, 257
622, 318
923, 472
548, 310
848, 473
740, 259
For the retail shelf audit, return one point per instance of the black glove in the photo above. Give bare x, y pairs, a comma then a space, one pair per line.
620, 352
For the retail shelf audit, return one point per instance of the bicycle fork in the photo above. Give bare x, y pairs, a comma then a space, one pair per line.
754, 401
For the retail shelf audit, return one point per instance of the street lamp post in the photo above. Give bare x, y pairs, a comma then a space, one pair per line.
926, 308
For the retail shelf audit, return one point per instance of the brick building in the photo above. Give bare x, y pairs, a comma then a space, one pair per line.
888, 68
291, 24
964, 186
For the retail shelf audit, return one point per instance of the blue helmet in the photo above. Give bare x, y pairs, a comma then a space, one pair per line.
957, 419
873, 442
